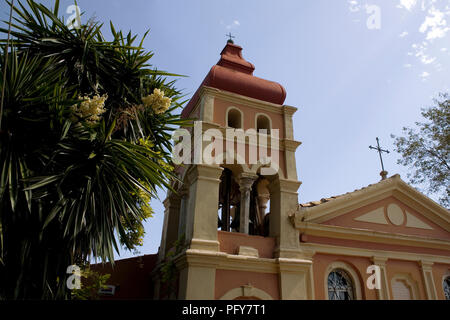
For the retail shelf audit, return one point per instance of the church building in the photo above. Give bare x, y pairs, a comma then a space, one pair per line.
237, 231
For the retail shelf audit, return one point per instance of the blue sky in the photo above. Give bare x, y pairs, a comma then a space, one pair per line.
355, 70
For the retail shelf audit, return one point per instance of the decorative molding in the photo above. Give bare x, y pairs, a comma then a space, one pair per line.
374, 216
395, 214
409, 282
427, 273
383, 215
339, 232
246, 291
414, 222
248, 251
369, 253
392, 186
289, 265
240, 99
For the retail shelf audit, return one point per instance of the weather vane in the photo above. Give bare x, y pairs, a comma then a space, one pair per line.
231, 37
383, 173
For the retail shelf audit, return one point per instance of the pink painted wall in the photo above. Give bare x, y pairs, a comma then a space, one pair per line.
230, 242
440, 271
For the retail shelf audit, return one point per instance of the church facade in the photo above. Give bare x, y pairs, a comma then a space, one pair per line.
232, 231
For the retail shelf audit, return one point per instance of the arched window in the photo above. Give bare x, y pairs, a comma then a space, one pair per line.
340, 285
401, 290
234, 118
263, 123
404, 287
446, 286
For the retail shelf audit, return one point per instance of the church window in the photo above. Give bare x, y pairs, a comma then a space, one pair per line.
234, 118
262, 123
401, 290
446, 286
340, 285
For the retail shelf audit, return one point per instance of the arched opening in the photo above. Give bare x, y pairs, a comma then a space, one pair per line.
229, 202
342, 282
259, 202
234, 118
263, 124
340, 285
446, 286
231, 199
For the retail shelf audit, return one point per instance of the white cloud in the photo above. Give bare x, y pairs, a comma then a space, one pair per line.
407, 65
233, 25
435, 24
444, 49
424, 75
421, 53
354, 5
427, 59
403, 34
407, 4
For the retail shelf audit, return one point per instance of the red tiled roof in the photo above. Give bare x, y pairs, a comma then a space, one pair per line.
324, 200
234, 74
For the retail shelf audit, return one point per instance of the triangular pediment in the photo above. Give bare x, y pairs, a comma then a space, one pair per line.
391, 206
395, 215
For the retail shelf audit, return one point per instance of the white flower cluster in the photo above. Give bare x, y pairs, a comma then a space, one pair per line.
157, 101
90, 109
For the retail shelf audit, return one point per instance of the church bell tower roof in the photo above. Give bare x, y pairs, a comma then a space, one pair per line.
233, 73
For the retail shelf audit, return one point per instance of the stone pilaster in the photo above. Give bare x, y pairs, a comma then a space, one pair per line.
202, 207
296, 279
427, 273
283, 202
383, 293
170, 224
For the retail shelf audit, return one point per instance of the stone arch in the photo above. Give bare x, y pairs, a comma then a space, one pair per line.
246, 292
352, 273
409, 282
234, 118
263, 121
238, 166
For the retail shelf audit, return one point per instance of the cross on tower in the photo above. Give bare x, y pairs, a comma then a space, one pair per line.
378, 148
230, 36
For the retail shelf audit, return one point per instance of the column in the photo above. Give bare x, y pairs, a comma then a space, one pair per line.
245, 186
427, 273
382, 293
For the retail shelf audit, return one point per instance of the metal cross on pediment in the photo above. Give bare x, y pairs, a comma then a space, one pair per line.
230, 36
380, 151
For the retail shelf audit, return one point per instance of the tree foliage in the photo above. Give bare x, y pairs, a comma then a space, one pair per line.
426, 149
91, 283
85, 143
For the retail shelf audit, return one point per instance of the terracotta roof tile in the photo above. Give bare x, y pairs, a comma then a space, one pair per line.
324, 200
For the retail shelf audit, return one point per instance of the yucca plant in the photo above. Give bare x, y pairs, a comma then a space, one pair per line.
85, 143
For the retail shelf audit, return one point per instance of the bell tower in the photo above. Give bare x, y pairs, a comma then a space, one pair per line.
237, 192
